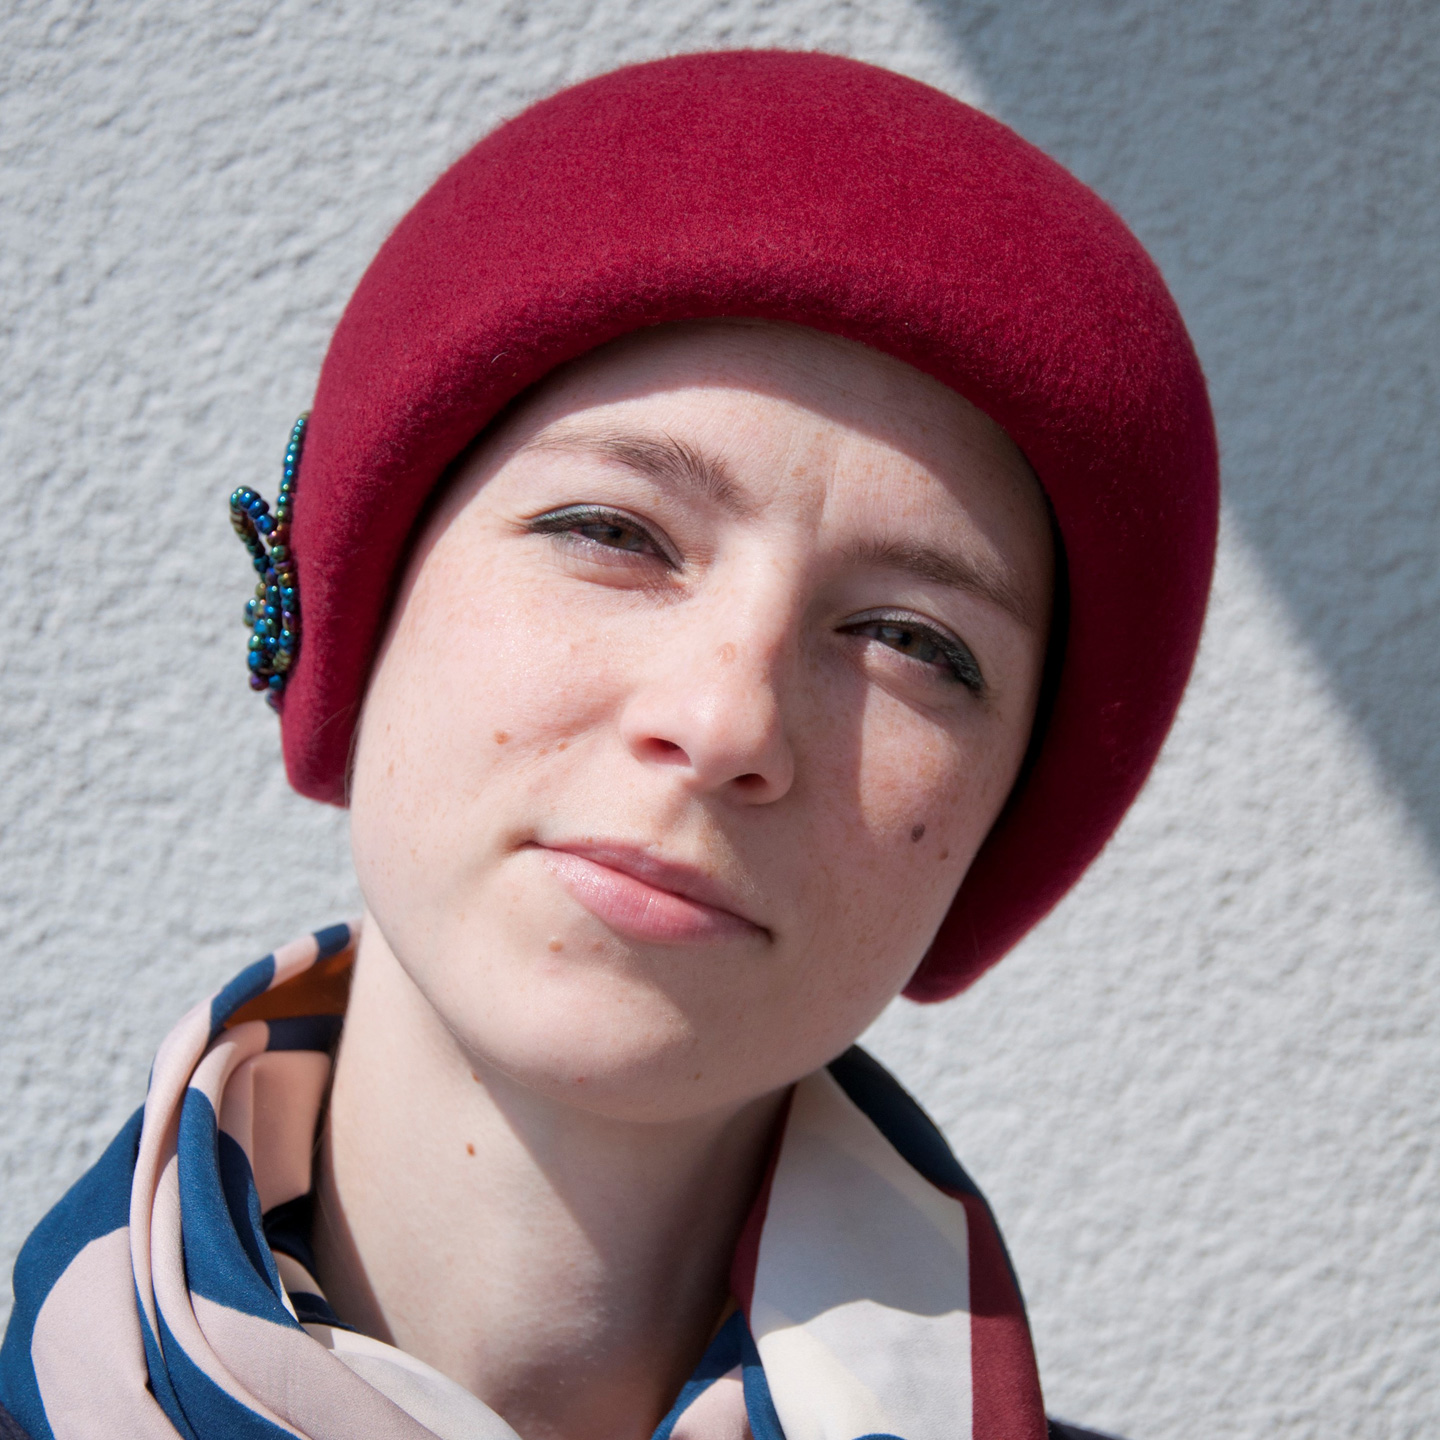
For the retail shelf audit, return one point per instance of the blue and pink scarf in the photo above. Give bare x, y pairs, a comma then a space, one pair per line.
171, 1292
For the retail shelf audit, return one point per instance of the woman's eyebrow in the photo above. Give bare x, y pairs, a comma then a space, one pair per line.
676, 464
943, 567
658, 456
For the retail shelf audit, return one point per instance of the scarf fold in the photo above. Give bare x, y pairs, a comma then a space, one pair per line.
171, 1291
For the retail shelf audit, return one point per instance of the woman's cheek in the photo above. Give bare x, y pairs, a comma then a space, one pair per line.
468, 710
473, 673
878, 832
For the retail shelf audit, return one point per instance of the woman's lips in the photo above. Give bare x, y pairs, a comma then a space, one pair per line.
644, 898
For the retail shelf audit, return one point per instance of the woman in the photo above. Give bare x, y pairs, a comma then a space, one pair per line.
748, 546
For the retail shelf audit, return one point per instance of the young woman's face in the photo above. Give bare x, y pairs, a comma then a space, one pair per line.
707, 680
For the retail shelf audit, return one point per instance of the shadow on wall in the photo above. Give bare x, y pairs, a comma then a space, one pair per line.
1279, 159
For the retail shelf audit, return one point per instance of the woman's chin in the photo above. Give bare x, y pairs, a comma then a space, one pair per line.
624, 1077
582, 1034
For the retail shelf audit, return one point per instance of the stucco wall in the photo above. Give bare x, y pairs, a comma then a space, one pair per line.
1203, 1096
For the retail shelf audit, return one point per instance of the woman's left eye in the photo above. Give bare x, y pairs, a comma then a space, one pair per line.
606, 529
924, 644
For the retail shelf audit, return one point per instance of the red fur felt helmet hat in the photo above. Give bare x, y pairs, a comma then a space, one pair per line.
824, 192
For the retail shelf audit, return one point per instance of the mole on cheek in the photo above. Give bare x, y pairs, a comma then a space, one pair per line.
917, 832
557, 945
501, 736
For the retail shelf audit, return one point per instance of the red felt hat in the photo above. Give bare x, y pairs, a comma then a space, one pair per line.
816, 190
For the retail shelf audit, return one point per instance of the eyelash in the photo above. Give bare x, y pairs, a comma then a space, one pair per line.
955, 657
576, 519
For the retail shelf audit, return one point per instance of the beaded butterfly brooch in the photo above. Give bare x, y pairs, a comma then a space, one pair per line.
272, 615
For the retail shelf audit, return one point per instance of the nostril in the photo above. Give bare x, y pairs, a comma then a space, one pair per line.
752, 781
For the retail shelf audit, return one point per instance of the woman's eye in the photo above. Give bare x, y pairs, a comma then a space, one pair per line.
925, 645
615, 535
606, 528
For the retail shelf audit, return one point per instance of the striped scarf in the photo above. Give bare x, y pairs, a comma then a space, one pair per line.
171, 1292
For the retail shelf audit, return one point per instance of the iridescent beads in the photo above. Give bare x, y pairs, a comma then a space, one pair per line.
272, 615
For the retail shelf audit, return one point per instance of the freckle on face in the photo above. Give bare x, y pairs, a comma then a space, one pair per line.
917, 831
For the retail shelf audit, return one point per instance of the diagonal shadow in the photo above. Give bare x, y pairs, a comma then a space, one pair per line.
1279, 159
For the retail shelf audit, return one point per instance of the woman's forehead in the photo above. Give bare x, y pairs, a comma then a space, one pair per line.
731, 389
854, 455
741, 360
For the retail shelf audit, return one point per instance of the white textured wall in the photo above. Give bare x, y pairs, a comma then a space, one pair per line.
1203, 1097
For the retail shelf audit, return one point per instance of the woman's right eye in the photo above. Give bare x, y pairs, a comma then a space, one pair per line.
609, 529
615, 535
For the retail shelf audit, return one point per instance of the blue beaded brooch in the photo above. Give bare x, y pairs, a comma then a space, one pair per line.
272, 615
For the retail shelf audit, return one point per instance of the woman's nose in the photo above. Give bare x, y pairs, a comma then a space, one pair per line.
716, 711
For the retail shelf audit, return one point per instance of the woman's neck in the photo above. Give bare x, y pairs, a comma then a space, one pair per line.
567, 1268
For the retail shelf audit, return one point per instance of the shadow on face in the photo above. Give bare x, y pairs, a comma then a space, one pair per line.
709, 674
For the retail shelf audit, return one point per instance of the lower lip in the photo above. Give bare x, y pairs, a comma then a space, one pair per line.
640, 911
